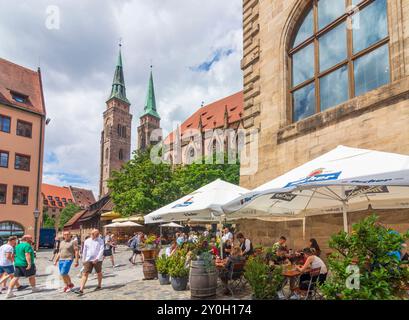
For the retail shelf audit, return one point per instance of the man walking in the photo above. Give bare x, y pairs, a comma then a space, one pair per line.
92, 257
67, 254
108, 248
24, 265
134, 245
6, 263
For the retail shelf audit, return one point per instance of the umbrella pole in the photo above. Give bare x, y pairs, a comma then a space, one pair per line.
345, 216
160, 243
303, 228
221, 238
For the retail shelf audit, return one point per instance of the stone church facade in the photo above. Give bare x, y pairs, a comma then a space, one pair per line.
318, 74
116, 134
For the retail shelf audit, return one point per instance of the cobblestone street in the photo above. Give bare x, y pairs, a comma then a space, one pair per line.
124, 283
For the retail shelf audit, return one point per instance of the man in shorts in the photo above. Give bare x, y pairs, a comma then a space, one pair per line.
67, 254
108, 248
24, 265
6, 263
92, 257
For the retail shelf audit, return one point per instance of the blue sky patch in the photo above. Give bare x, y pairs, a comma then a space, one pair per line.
216, 56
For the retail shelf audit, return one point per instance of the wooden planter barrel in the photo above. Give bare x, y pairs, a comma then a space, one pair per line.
149, 254
203, 280
149, 263
149, 269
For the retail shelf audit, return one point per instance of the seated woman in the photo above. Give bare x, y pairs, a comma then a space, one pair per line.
312, 262
245, 245
235, 257
314, 245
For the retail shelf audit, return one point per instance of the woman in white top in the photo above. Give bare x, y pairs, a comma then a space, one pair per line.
312, 262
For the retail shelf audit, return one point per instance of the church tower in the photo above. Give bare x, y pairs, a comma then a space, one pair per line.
116, 134
149, 132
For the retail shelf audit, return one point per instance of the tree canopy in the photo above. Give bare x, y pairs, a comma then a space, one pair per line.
143, 186
67, 213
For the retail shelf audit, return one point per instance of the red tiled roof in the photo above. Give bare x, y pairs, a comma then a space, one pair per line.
212, 115
55, 191
15, 79
82, 197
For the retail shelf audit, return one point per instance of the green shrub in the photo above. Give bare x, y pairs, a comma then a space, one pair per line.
162, 264
177, 264
369, 247
263, 280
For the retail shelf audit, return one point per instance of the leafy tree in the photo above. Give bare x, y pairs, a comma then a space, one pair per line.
371, 247
143, 186
67, 213
48, 222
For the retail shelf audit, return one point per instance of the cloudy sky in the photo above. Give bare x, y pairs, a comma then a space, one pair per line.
195, 47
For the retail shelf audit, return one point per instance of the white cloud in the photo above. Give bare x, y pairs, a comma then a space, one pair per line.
78, 64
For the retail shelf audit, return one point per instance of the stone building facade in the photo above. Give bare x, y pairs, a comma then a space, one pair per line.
318, 74
116, 134
213, 128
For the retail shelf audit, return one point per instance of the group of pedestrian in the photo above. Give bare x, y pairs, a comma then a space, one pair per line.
17, 261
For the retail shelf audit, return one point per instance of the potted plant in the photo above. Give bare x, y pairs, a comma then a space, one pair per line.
265, 281
178, 270
203, 275
162, 265
365, 264
150, 248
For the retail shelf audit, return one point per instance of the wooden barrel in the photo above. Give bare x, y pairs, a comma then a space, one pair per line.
203, 280
149, 269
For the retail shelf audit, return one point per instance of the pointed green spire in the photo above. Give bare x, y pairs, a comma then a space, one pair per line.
150, 105
118, 84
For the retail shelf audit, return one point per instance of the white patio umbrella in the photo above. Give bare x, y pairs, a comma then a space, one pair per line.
172, 225
202, 204
344, 179
130, 224
113, 225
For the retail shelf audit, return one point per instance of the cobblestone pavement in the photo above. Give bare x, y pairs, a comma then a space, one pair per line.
125, 282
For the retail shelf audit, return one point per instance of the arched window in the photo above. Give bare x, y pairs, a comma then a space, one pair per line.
121, 154
124, 131
106, 153
340, 51
9, 228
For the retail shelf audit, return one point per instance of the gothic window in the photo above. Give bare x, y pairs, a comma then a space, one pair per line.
121, 154
106, 153
340, 51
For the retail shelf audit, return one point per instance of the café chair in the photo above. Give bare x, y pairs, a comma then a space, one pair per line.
235, 276
312, 285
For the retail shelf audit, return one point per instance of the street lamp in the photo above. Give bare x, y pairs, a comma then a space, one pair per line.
36, 216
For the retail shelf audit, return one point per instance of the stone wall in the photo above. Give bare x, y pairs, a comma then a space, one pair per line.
377, 120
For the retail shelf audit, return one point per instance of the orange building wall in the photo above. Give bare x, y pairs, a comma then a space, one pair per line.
12, 143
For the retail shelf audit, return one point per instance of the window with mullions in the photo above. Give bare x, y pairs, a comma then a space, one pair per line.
340, 51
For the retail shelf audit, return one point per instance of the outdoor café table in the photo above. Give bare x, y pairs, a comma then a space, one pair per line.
292, 276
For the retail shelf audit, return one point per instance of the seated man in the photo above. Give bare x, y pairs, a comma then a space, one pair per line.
226, 273
245, 245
